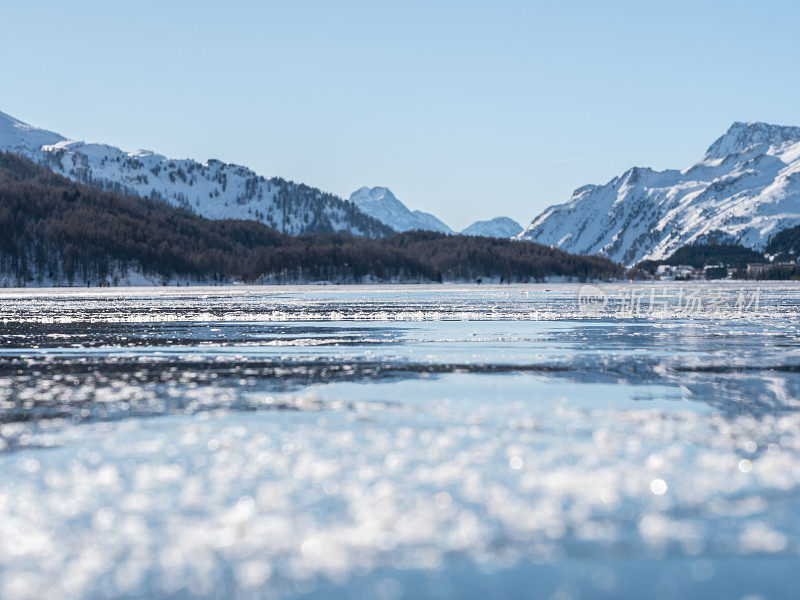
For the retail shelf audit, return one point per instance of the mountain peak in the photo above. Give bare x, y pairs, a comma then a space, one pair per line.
499, 227
380, 203
741, 136
372, 194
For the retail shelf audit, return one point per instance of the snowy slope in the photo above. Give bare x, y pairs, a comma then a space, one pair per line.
380, 203
745, 189
214, 189
16, 136
499, 227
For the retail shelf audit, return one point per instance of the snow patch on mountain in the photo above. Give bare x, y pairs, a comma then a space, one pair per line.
745, 189
19, 137
213, 189
499, 227
381, 204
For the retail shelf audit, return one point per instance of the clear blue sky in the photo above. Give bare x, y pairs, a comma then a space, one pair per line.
468, 110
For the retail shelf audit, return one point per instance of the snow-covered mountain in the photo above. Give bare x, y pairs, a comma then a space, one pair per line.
19, 137
499, 227
214, 189
745, 189
380, 203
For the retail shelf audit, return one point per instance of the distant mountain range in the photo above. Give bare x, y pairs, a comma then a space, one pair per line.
380, 203
219, 190
744, 190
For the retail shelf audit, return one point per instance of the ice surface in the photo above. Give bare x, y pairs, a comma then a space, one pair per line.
386, 442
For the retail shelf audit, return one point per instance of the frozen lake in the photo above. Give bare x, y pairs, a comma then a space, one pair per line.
390, 442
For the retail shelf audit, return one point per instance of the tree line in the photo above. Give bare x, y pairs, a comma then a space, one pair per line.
702, 255
54, 230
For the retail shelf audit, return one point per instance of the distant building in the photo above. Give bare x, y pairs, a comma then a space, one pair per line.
664, 270
756, 269
671, 271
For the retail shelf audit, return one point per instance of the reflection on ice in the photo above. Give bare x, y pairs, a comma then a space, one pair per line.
470, 442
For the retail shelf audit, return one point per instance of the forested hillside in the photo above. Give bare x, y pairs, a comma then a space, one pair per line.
701, 255
785, 245
213, 189
53, 230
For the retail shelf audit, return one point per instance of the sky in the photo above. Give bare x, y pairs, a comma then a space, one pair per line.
468, 110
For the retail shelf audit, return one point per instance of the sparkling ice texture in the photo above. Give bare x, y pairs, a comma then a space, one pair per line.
388, 442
